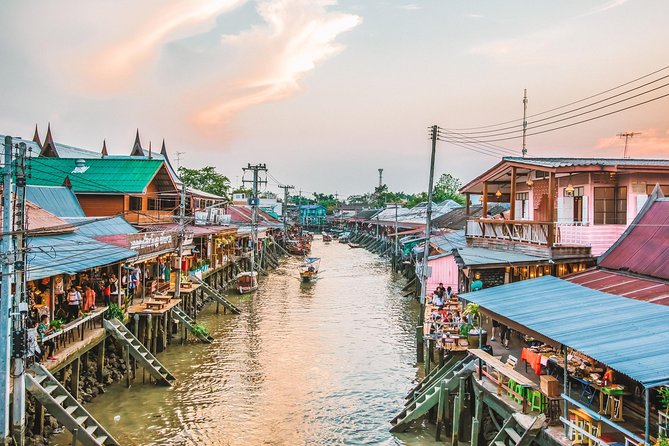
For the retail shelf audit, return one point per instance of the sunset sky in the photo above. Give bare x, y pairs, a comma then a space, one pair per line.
326, 92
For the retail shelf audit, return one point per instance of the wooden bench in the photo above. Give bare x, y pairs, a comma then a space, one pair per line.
161, 298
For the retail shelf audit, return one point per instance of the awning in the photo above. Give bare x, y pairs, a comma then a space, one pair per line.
483, 256
628, 335
69, 254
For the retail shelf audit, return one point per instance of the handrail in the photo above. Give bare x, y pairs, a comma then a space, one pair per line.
69, 327
597, 417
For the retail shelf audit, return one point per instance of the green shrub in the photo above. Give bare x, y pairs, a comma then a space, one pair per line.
57, 324
114, 312
199, 330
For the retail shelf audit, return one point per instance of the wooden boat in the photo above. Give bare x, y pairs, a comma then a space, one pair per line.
354, 245
343, 238
309, 269
327, 237
247, 282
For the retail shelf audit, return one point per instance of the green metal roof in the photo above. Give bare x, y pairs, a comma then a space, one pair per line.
105, 175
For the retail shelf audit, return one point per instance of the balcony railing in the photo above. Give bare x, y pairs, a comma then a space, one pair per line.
526, 231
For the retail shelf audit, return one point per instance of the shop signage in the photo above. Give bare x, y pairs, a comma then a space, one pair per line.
148, 242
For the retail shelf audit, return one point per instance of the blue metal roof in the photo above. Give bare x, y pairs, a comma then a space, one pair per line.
628, 335
70, 253
484, 256
58, 200
96, 226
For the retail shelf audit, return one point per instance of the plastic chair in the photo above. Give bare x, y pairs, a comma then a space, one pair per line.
520, 390
537, 401
511, 384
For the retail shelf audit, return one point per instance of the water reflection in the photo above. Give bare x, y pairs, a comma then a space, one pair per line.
322, 363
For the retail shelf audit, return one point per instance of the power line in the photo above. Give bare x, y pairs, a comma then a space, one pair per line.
569, 104
533, 126
578, 122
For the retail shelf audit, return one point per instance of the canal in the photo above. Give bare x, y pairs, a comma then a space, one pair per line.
326, 363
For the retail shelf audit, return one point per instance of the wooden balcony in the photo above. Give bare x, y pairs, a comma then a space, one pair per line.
556, 240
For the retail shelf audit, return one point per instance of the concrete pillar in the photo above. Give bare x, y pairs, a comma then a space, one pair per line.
100, 363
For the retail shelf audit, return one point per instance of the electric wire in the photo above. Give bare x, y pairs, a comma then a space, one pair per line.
569, 104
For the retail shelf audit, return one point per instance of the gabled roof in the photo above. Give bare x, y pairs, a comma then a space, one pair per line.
58, 200
105, 175
564, 166
622, 284
644, 246
365, 214
242, 214
628, 335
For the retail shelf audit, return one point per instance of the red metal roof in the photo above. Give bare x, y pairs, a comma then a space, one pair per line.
644, 247
621, 284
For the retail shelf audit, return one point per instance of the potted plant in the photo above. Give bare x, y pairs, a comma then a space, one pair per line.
476, 333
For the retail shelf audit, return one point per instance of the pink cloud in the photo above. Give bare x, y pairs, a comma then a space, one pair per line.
650, 143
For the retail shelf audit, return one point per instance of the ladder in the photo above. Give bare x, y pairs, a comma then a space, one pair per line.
189, 322
216, 295
428, 396
138, 351
435, 374
518, 430
61, 404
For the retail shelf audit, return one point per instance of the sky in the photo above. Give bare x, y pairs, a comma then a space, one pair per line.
327, 92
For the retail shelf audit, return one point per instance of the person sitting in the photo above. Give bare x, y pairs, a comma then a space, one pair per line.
44, 330
438, 300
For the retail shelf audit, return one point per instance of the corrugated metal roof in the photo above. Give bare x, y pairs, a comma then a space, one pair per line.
624, 285
644, 247
106, 175
70, 253
628, 335
484, 256
58, 200
574, 162
457, 218
64, 151
95, 226
366, 214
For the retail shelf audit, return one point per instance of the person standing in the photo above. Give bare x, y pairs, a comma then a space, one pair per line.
43, 330
73, 302
89, 298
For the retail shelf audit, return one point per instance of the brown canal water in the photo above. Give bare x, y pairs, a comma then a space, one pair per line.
325, 363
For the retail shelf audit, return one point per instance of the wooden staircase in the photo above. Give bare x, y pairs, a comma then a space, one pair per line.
139, 352
181, 315
518, 430
427, 396
216, 295
65, 408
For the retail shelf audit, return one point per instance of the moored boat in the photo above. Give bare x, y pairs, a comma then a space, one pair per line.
354, 245
327, 237
247, 282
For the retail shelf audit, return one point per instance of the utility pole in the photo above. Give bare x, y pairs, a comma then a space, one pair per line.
179, 158
627, 136
182, 236
284, 213
21, 308
426, 251
524, 121
6, 289
253, 202
380, 178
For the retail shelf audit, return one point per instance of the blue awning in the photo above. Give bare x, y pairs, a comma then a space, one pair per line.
628, 335
69, 254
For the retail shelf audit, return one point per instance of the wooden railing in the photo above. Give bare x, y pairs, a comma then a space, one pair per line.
527, 231
512, 230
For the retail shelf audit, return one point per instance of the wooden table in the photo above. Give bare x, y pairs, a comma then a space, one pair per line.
154, 304
161, 298
588, 425
614, 403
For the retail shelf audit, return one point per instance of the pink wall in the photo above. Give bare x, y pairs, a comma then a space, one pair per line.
444, 270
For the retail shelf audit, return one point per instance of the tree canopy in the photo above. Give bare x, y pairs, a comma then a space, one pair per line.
206, 179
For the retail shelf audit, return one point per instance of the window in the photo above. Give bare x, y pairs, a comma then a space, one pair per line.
522, 205
153, 204
611, 205
135, 203
663, 187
